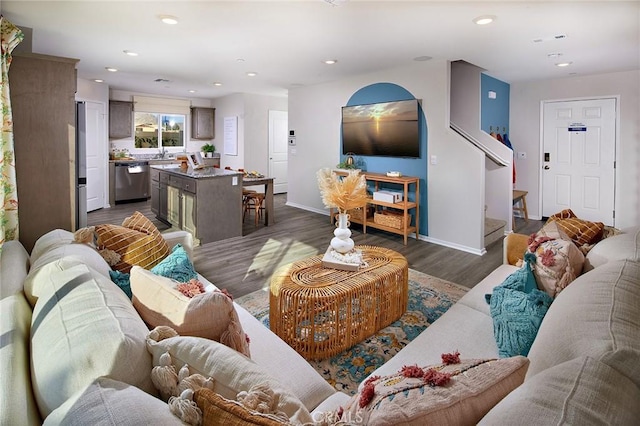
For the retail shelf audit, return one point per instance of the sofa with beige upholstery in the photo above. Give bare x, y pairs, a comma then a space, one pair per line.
78, 352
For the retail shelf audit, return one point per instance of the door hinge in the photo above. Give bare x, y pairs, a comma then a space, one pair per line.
614, 164
614, 214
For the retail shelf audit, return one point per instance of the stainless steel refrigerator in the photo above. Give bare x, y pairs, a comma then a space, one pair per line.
81, 165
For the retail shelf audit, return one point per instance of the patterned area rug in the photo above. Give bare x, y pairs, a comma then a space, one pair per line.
429, 297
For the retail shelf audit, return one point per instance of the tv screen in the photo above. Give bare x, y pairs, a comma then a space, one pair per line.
387, 129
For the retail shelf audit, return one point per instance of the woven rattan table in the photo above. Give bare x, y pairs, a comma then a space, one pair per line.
320, 312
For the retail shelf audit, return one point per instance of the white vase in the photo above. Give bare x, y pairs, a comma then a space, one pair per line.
341, 242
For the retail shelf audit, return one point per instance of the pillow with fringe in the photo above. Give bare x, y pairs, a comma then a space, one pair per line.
211, 315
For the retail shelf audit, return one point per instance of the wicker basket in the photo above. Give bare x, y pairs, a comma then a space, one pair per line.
390, 218
356, 214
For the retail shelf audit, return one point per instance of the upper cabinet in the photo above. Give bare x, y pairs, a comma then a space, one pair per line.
120, 119
202, 123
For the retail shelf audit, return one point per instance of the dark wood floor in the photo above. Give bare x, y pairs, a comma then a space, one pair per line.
245, 264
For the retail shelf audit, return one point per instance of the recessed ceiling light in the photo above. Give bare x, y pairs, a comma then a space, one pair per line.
239, 60
331, 61
111, 69
563, 64
252, 74
192, 91
168, 19
98, 80
217, 83
484, 19
130, 53
422, 58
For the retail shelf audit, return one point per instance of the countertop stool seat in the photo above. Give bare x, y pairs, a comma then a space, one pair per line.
520, 205
252, 201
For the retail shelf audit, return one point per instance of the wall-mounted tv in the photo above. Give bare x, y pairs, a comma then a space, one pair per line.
388, 129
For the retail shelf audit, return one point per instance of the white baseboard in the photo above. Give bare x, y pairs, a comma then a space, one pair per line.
453, 245
421, 237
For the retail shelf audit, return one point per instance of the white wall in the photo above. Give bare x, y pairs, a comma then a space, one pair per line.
466, 84
525, 104
253, 129
455, 193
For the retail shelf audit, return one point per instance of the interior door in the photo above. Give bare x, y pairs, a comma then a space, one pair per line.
96, 158
579, 158
278, 139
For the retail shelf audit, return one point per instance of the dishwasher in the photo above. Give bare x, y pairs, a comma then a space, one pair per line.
132, 180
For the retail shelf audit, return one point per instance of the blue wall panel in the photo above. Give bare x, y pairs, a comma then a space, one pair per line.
388, 92
494, 112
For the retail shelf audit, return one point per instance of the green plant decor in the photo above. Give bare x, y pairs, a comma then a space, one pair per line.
344, 165
208, 148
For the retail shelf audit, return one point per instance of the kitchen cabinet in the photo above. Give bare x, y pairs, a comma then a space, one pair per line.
202, 123
120, 119
401, 210
209, 207
44, 118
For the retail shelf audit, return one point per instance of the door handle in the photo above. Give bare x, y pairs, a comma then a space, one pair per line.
546, 167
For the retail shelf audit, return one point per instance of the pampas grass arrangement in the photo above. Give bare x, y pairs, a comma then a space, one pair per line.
344, 194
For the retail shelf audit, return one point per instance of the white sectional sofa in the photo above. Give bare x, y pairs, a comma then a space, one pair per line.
60, 364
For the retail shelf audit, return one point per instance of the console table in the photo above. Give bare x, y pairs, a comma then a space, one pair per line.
320, 311
404, 207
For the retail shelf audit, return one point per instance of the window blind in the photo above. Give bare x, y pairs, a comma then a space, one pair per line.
161, 105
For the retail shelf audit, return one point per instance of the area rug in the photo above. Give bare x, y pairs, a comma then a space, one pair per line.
429, 297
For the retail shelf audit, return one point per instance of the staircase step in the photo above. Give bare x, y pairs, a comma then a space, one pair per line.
493, 230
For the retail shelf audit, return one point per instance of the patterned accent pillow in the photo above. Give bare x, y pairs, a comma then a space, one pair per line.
211, 314
176, 266
581, 232
217, 410
474, 388
137, 241
558, 260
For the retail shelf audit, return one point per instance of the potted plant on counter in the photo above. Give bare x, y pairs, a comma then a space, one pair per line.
208, 150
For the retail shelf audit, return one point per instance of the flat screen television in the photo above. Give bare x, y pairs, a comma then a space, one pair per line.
386, 129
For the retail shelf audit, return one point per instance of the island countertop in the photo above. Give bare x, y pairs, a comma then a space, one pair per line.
204, 173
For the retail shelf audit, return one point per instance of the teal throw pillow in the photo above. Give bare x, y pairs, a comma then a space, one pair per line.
517, 308
176, 266
121, 279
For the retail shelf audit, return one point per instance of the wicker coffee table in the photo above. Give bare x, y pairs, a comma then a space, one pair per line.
320, 312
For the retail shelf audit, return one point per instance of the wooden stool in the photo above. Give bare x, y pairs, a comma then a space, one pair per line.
253, 201
520, 205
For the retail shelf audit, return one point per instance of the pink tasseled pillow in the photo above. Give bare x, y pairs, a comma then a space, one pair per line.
212, 315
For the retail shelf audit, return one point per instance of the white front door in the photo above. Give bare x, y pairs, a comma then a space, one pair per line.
278, 139
578, 169
96, 157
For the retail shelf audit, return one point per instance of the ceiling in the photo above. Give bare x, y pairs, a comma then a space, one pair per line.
286, 42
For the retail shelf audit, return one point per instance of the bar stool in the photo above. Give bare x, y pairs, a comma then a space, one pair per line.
520, 205
253, 201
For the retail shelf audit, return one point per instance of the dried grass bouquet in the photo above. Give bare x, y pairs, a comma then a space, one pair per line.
344, 194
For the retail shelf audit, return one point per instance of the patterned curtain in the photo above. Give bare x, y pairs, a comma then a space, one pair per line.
10, 37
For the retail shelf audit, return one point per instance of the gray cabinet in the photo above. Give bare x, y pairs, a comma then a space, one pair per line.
202, 123
120, 119
209, 208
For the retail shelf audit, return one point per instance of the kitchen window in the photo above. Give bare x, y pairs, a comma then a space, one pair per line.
157, 130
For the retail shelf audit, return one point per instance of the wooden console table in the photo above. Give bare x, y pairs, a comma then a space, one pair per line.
404, 207
320, 311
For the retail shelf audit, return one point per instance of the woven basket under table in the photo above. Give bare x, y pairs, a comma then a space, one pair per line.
320, 312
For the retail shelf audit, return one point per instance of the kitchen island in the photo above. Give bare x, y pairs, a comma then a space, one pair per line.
206, 202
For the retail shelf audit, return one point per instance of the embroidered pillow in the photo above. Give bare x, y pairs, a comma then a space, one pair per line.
210, 315
558, 259
176, 266
474, 387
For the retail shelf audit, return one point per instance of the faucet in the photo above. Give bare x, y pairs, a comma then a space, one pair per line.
161, 153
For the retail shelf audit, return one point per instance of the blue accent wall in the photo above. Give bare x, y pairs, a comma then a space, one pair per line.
388, 92
494, 112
